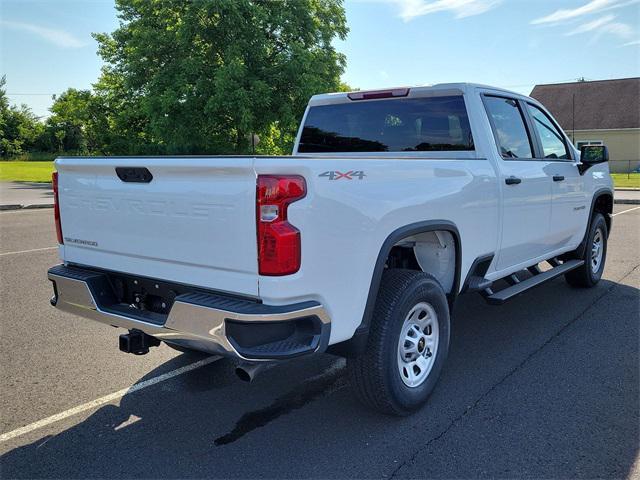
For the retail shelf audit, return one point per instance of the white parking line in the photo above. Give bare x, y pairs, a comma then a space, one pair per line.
625, 211
28, 251
106, 399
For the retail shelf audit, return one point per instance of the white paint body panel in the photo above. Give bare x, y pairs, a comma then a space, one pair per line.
526, 212
195, 222
569, 204
344, 223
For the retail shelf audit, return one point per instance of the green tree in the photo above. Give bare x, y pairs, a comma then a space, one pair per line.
4, 105
20, 129
75, 123
4, 117
201, 76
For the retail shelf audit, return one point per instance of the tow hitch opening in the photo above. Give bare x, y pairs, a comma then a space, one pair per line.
137, 342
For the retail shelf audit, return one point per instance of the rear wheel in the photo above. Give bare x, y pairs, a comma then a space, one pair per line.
407, 346
595, 254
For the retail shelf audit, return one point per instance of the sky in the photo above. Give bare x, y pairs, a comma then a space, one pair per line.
46, 46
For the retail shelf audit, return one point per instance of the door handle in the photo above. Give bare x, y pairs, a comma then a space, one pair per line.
512, 180
558, 178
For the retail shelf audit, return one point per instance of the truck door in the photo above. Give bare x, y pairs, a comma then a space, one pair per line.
526, 188
569, 209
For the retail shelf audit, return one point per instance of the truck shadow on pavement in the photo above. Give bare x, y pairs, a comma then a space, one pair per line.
546, 386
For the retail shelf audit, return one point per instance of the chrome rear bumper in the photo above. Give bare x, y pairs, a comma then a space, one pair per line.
201, 321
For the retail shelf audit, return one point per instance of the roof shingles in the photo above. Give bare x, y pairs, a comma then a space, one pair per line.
599, 105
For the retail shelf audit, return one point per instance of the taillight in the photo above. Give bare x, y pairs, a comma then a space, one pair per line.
279, 248
56, 207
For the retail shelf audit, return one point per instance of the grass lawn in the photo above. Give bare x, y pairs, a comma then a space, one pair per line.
621, 180
26, 171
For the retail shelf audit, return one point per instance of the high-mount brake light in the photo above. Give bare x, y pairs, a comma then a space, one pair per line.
279, 246
56, 207
374, 94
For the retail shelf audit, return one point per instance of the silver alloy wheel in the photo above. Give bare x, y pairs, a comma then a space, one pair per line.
597, 250
418, 344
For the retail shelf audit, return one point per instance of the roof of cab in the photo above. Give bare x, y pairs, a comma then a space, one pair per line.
337, 97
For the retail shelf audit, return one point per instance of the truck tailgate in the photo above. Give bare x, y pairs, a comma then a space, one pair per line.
193, 223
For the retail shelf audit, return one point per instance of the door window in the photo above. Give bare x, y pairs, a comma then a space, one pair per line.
552, 140
509, 127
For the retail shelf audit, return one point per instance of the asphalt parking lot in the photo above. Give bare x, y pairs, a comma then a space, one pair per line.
546, 386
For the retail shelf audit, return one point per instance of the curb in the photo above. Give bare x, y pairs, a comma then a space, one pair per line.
26, 207
625, 201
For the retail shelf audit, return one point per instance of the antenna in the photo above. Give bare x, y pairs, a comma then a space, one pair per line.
573, 118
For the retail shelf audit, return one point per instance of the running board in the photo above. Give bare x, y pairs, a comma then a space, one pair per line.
502, 296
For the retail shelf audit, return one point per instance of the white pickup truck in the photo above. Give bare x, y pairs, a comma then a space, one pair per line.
393, 204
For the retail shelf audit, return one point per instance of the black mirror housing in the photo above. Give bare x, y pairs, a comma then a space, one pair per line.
591, 155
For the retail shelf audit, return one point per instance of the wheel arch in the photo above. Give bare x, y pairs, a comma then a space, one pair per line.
602, 202
357, 343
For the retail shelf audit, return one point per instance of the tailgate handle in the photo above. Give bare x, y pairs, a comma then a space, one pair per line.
134, 174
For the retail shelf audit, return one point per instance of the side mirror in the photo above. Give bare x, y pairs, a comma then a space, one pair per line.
591, 155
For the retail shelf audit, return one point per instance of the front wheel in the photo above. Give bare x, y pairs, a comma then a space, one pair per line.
595, 254
407, 346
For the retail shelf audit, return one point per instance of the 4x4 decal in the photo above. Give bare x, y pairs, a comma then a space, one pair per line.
350, 175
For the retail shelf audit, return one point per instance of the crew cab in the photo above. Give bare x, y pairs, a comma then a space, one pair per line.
393, 204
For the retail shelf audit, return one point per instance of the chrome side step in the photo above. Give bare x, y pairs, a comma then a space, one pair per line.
502, 296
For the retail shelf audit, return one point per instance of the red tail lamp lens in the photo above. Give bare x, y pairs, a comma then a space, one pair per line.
56, 207
279, 247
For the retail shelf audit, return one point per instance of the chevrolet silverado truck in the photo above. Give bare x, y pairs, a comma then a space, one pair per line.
393, 204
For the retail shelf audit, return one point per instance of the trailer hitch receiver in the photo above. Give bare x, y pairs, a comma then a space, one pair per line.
137, 342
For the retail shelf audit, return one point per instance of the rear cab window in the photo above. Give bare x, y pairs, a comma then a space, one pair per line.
423, 124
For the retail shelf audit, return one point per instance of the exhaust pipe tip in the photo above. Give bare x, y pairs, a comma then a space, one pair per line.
247, 372
243, 374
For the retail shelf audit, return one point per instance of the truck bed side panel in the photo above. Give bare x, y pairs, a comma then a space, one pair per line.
344, 222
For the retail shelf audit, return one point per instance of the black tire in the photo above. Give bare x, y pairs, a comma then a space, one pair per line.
585, 276
375, 375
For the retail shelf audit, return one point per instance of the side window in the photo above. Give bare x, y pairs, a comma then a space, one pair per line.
553, 145
508, 127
